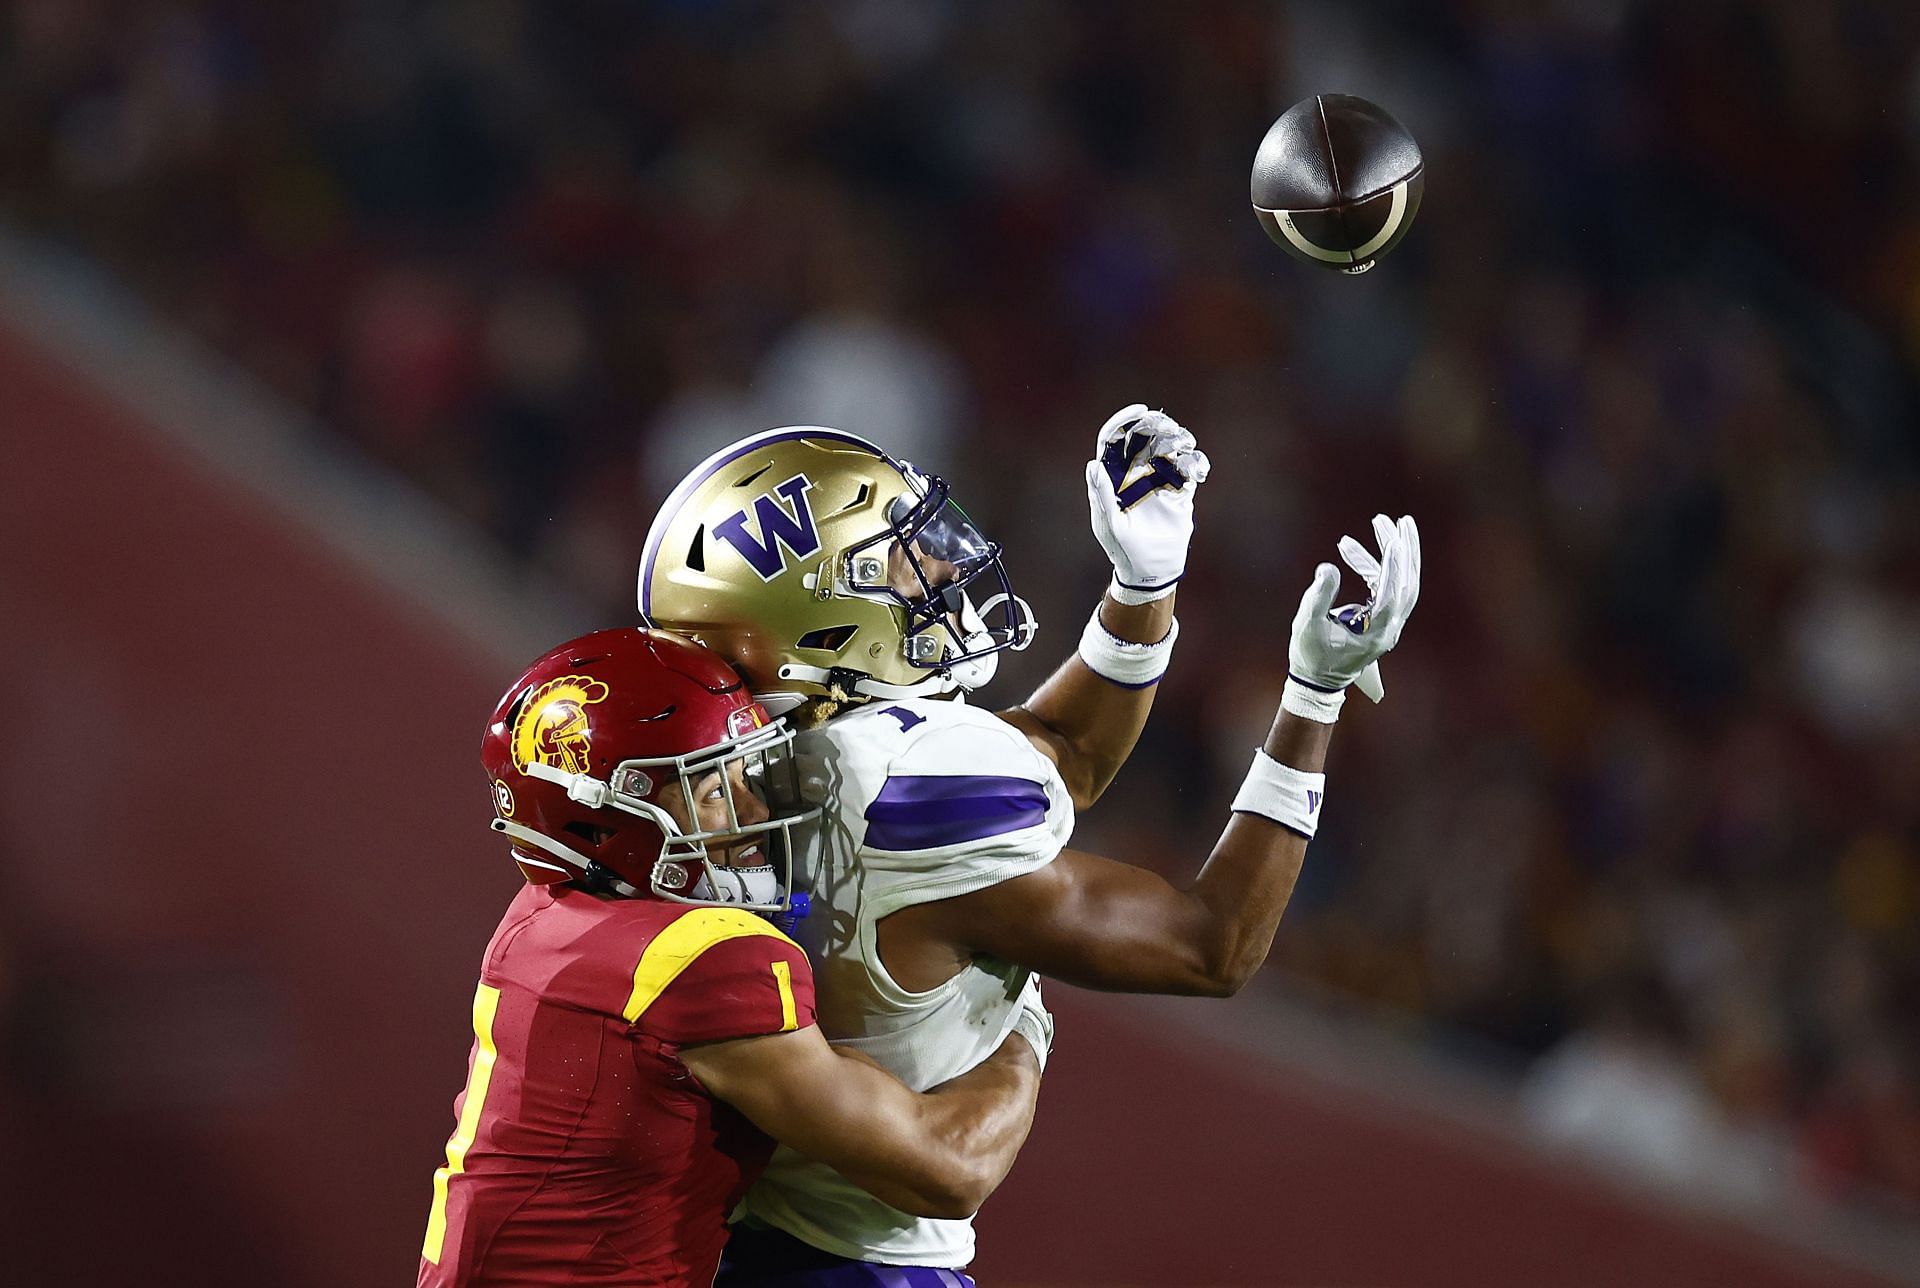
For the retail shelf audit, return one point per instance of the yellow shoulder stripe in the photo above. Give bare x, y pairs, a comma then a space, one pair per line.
680, 945
789, 1014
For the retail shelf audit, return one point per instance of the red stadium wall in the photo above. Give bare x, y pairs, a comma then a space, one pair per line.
241, 770
245, 884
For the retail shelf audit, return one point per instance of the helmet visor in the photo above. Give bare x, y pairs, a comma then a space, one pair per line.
924, 562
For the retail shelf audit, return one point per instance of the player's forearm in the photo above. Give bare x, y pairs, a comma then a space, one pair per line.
1088, 725
942, 1153
937, 1155
984, 1115
1248, 880
1204, 940
1245, 888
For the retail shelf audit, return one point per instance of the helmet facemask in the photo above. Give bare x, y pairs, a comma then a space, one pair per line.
924, 561
690, 868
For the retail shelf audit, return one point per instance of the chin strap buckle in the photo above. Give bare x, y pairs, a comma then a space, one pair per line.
799, 904
590, 792
601, 879
583, 788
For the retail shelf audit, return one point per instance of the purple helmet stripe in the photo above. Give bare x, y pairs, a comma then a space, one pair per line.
924, 811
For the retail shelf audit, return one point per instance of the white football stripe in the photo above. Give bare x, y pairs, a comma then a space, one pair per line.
1301, 244
1394, 216
1396, 213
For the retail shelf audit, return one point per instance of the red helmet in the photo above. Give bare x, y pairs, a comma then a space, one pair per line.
584, 747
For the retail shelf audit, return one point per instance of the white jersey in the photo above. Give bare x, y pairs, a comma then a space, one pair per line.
927, 799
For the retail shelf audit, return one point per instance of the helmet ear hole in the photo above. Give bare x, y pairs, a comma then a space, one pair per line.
592, 835
831, 638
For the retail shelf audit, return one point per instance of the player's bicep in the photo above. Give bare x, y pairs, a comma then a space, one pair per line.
1044, 738
1091, 922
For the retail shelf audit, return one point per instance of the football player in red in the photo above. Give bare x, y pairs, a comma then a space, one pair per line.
643, 1031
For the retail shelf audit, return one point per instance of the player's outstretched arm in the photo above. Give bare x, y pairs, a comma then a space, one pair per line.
1087, 716
1101, 924
1087, 724
937, 1154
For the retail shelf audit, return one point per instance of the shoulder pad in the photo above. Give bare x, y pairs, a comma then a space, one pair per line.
716, 973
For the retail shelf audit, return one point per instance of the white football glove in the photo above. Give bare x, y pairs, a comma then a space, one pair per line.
1331, 647
1140, 486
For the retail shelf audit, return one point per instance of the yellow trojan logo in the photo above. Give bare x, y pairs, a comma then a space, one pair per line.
551, 728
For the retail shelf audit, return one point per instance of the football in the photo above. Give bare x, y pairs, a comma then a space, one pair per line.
1337, 181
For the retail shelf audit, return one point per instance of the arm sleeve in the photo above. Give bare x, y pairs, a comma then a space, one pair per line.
723, 976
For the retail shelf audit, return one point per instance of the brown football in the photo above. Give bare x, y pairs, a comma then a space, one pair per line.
1337, 181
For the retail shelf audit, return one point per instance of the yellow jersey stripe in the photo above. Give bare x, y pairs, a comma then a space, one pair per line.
486, 1001
789, 1014
680, 945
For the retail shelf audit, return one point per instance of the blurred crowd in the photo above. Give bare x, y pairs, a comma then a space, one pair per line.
1640, 820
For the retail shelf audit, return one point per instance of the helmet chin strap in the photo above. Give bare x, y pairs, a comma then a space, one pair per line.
965, 675
975, 672
936, 683
755, 886
579, 866
576, 862
777, 704
1027, 625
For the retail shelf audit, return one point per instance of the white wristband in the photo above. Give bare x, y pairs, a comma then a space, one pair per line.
1035, 1024
1309, 703
1122, 662
1125, 594
1282, 793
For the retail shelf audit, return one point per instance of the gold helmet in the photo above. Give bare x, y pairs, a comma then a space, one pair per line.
815, 562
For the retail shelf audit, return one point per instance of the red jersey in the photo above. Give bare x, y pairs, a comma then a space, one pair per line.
585, 1153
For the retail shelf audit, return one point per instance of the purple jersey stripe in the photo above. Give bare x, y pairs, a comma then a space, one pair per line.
924, 811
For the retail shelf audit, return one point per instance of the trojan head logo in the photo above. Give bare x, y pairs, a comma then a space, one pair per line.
551, 728
785, 521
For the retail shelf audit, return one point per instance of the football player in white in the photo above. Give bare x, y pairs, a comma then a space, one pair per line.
852, 591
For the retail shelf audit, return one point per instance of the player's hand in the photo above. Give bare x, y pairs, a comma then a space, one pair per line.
1140, 486
1331, 647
